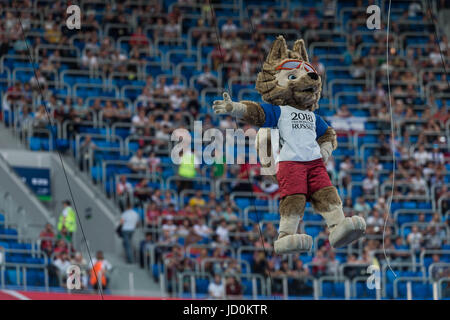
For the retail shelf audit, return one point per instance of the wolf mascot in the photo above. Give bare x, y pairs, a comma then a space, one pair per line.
291, 88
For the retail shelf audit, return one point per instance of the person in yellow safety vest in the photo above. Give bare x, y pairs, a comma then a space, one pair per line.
187, 169
68, 219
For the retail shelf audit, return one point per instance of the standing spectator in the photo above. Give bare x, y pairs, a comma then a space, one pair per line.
124, 192
129, 220
68, 219
144, 250
187, 170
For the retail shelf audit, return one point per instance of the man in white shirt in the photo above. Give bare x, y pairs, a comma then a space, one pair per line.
138, 162
202, 229
216, 289
223, 232
62, 263
370, 183
128, 220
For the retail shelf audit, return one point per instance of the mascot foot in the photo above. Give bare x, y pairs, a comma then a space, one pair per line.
347, 231
293, 243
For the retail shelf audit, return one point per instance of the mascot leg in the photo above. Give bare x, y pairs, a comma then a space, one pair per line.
343, 231
289, 241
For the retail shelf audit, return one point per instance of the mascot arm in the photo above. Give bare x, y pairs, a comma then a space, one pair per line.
249, 111
327, 143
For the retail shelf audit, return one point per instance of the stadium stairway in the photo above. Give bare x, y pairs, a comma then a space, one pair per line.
17, 201
129, 279
99, 216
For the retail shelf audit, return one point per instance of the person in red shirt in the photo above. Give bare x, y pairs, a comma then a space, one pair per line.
138, 38
47, 237
61, 247
152, 215
170, 211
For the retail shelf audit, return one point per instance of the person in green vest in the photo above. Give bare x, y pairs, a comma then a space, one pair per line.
67, 219
187, 170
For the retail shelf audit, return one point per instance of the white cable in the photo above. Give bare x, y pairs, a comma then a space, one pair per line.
392, 139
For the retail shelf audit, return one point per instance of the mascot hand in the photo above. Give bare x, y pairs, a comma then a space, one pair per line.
325, 150
226, 106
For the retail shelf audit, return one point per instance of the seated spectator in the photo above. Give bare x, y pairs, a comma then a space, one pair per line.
361, 206
169, 226
216, 289
62, 264
370, 183
418, 183
332, 264
421, 155
197, 199
142, 191
60, 247
47, 237
154, 163
152, 214
319, 263
192, 237
344, 112
169, 203
207, 79
138, 38
79, 261
138, 163
202, 229
233, 288
229, 214
375, 220
415, 239
100, 271
299, 285
223, 232
139, 121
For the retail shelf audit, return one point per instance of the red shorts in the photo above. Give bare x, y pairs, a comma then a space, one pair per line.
302, 177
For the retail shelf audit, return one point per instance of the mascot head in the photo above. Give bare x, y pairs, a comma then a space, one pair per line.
287, 77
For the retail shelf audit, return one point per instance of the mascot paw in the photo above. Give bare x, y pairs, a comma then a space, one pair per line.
293, 243
347, 231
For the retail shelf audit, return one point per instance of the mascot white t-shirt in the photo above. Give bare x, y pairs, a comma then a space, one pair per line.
298, 130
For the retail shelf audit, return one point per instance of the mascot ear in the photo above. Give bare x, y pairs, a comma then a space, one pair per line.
278, 51
299, 48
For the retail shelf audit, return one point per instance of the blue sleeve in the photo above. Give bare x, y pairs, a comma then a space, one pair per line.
321, 126
272, 115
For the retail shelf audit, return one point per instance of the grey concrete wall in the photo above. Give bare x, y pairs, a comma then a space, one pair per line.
96, 218
34, 213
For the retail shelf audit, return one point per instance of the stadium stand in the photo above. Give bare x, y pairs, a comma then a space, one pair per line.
138, 70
